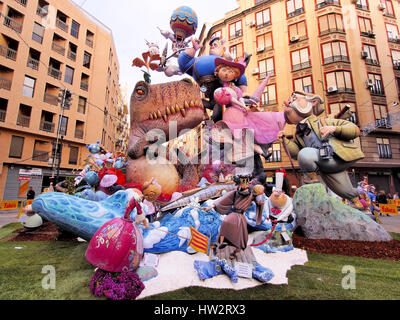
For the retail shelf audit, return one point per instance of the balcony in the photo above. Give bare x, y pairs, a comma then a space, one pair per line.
51, 99
377, 91
3, 115
295, 13
383, 123
47, 126
372, 62
84, 86
89, 42
55, 73
336, 59
12, 24
21, 2
5, 83
334, 90
33, 63
8, 53
331, 30
58, 48
262, 25
237, 34
389, 15
78, 134
328, 3
71, 55
42, 156
362, 7
301, 66
369, 34
23, 121
61, 25
263, 75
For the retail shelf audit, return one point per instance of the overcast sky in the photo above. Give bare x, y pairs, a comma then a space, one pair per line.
133, 21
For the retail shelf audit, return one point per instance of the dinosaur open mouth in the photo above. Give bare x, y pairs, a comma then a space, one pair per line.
173, 111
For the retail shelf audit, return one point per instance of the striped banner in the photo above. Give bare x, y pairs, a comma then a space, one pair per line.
199, 241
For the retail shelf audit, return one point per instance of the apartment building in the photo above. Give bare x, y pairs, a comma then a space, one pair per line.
46, 46
347, 51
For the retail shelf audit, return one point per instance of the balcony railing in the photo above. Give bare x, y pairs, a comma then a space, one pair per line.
383, 123
55, 73
78, 133
8, 53
21, 2
300, 66
377, 91
51, 99
296, 12
61, 25
42, 156
336, 59
58, 48
71, 55
372, 62
5, 83
23, 121
12, 24
327, 3
89, 42
331, 30
33, 63
3, 115
340, 90
42, 12
84, 86
262, 25
263, 75
361, 6
389, 15
237, 34
47, 126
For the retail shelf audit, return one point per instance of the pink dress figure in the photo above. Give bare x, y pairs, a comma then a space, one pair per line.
237, 116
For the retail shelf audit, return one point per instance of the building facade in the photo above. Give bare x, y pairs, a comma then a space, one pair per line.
46, 46
346, 51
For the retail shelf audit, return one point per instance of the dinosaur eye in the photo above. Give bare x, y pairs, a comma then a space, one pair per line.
140, 91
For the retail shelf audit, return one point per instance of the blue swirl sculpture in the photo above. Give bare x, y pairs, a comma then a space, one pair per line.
84, 217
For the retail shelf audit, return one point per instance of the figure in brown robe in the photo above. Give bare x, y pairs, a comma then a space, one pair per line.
234, 226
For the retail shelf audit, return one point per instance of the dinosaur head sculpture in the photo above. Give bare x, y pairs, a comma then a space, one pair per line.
161, 106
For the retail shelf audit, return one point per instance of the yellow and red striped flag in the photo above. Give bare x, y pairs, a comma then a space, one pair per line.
199, 241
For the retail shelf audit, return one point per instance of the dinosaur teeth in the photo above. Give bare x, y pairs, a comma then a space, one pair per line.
197, 104
155, 115
183, 112
165, 118
177, 108
192, 104
159, 114
168, 111
151, 116
172, 108
186, 105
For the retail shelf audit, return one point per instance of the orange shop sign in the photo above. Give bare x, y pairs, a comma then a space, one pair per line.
389, 209
9, 205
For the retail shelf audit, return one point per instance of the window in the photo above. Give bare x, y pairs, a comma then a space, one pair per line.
103, 137
304, 85
73, 155
335, 108
276, 153
335, 51
63, 125
38, 33
392, 32
365, 26
376, 84
86, 59
16, 147
217, 34
381, 115
362, 4
269, 95
69, 75
384, 149
300, 59
339, 81
298, 31
75, 29
263, 18
236, 51
82, 105
389, 11
235, 30
294, 7
264, 42
396, 59
372, 57
28, 87
266, 66
330, 23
